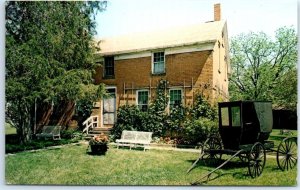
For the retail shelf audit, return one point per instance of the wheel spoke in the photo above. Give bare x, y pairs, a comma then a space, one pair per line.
288, 145
293, 160
281, 152
210, 144
261, 156
282, 161
260, 167
257, 172
252, 156
287, 154
290, 164
282, 146
255, 167
257, 158
292, 147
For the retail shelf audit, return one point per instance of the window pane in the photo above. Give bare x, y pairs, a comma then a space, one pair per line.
158, 62
143, 107
159, 67
108, 66
225, 116
143, 100
175, 98
108, 118
236, 117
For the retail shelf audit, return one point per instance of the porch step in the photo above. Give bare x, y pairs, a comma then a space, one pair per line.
98, 130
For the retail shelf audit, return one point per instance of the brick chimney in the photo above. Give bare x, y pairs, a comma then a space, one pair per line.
217, 12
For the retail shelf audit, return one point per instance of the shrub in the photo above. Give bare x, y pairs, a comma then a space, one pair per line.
198, 130
174, 121
127, 119
183, 125
202, 108
71, 134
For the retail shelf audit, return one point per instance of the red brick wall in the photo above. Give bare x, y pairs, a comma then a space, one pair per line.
181, 69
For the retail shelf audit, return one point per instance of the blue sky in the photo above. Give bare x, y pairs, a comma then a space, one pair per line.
127, 16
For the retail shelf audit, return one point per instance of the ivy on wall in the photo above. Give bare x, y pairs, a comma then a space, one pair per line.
186, 125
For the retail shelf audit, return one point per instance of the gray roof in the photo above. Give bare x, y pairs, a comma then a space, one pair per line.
195, 34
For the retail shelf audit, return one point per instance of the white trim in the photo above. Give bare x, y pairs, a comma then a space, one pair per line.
128, 51
133, 55
168, 51
187, 49
137, 96
152, 61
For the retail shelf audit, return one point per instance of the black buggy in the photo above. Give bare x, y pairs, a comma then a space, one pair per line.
244, 128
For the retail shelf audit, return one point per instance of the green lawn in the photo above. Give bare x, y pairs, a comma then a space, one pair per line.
71, 165
9, 130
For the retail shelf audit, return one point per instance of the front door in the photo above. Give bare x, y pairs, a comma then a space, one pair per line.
109, 108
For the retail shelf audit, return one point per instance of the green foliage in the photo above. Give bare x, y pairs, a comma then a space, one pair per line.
161, 100
260, 65
182, 125
37, 144
174, 121
71, 134
85, 104
49, 56
196, 131
285, 93
131, 118
126, 120
202, 108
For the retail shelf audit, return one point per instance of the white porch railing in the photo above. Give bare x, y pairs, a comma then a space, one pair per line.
91, 122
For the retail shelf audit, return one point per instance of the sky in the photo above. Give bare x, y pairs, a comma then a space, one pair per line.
131, 16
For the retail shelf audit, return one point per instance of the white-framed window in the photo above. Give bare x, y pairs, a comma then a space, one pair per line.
175, 98
158, 62
142, 99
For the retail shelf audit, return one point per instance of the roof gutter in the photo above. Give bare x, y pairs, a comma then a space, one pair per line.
154, 48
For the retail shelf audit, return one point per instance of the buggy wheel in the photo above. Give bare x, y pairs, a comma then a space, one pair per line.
243, 157
210, 146
287, 153
256, 160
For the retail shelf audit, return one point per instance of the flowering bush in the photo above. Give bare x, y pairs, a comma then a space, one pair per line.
99, 140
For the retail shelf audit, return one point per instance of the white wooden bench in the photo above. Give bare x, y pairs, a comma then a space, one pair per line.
135, 139
49, 131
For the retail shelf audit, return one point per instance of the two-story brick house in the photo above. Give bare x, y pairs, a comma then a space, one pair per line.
192, 59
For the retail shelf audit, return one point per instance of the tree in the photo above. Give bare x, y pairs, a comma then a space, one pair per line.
260, 65
49, 57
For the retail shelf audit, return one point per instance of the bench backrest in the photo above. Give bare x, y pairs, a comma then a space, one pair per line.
144, 136
128, 135
48, 129
137, 136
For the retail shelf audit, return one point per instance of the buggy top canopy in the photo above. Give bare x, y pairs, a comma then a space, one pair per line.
244, 122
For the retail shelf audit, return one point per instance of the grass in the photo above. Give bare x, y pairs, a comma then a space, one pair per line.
277, 137
71, 165
276, 132
9, 130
